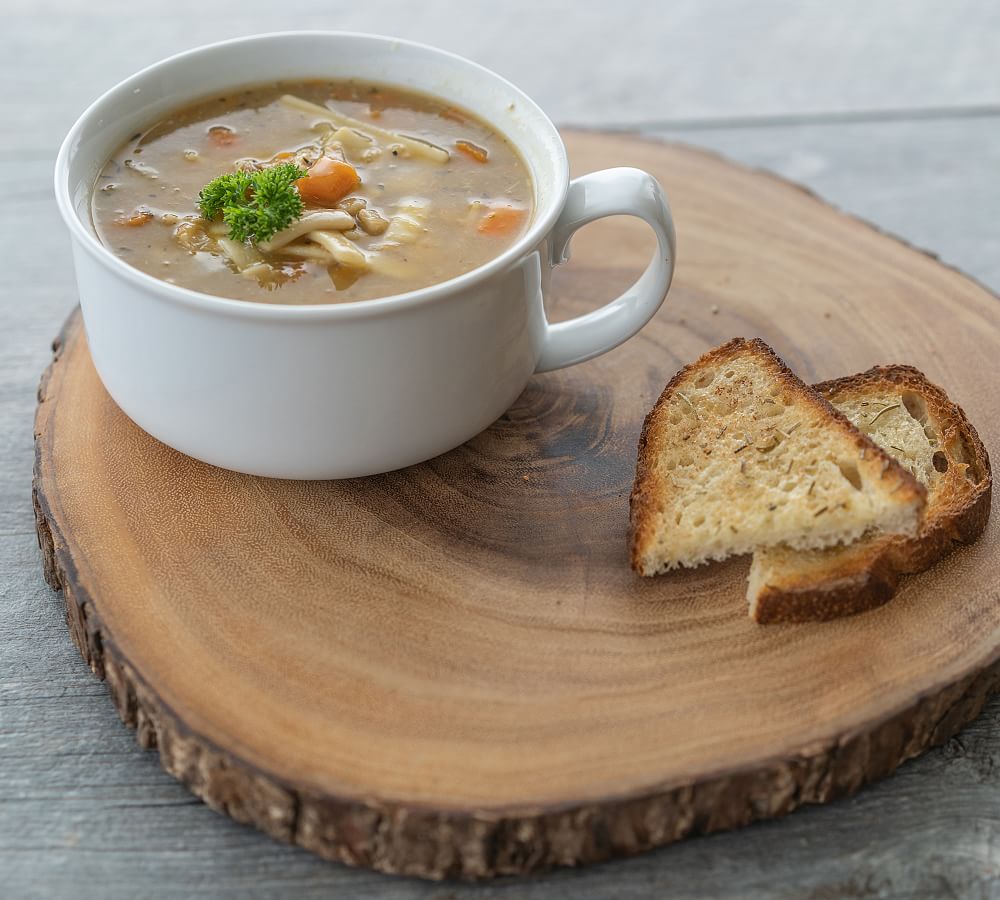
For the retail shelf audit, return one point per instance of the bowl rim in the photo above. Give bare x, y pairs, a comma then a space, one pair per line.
541, 225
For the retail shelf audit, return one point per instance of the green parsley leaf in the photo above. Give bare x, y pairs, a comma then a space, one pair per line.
255, 205
226, 190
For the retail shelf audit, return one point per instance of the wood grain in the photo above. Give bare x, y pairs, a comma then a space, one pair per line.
450, 671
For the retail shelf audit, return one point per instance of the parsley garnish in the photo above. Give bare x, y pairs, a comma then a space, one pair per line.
255, 205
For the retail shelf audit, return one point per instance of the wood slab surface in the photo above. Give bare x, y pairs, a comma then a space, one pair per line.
450, 671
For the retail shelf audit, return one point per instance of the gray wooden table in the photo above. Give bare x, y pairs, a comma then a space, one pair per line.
889, 108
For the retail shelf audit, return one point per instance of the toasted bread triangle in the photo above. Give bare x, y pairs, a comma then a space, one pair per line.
915, 421
738, 454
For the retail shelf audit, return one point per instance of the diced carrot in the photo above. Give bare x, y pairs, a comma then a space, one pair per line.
284, 154
374, 112
328, 182
474, 151
222, 135
501, 220
139, 217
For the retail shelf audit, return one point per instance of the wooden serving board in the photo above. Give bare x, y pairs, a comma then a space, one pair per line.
450, 670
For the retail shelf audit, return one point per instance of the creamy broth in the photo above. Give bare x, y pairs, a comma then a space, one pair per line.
424, 211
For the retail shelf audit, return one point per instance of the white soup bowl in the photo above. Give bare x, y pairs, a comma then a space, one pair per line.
337, 391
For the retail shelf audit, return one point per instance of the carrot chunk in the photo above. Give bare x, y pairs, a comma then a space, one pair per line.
328, 182
502, 220
473, 151
139, 217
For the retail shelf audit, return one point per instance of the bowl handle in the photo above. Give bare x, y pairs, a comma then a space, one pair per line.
611, 192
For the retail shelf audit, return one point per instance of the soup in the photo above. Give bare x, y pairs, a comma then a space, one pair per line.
313, 192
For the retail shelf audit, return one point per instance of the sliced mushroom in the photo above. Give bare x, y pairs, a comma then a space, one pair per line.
371, 222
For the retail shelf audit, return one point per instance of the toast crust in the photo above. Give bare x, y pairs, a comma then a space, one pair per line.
649, 488
866, 574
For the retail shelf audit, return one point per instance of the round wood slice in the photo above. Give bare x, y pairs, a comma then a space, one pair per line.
451, 670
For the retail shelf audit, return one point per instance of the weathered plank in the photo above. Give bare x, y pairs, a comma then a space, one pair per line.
589, 64
933, 183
